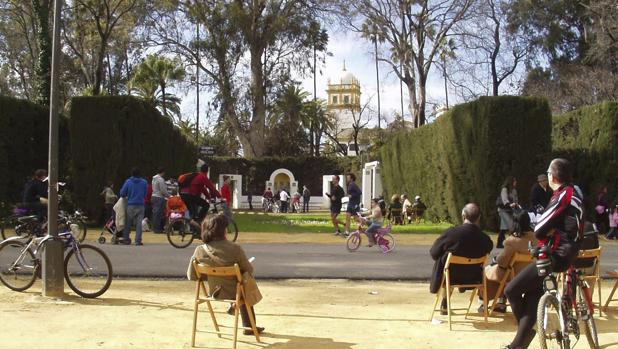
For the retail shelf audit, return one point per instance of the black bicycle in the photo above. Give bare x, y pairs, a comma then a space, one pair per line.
87, 269
560, 313
23, 225
180, 232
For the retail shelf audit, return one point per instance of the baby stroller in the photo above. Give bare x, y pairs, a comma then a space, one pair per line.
110, 227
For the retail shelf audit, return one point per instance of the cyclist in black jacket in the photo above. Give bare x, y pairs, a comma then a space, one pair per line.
36, 189
561, 225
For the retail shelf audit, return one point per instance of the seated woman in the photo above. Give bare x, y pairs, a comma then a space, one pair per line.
217, 251
522, 235
394, 209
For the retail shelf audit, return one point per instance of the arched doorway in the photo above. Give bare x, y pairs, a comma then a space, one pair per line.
282, 181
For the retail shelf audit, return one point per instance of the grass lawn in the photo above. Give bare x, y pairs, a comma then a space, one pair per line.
254, 221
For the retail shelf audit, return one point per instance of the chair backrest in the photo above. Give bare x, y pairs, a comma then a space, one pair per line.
232, 272
459, 260
593, 253
588, 258
519, 257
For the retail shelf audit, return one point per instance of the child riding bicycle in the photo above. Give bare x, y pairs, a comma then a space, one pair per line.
374, 221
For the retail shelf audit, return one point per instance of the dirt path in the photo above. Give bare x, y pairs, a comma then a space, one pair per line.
334, 314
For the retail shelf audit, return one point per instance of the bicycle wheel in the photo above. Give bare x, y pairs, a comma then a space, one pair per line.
232, 230
386, 242
353, 242
179, 234
88, 271
7, 228
17, 265
548, 323
585, 315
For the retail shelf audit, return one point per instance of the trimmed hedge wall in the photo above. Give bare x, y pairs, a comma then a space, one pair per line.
111, 135
465, 155
24, 136
589, 138
307, 170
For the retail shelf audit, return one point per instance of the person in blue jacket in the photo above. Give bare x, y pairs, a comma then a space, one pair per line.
134, 190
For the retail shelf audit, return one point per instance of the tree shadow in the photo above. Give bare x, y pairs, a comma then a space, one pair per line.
298, 342
123, 302
341, 317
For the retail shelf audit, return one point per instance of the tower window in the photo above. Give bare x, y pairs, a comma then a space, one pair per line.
334, 99
346, 99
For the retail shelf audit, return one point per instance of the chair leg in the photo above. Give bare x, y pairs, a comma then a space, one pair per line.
485, 297
611, 295
600, 299
195, 308
435, 304
214, 319
252, 321
448, 300
474, 292
236, 313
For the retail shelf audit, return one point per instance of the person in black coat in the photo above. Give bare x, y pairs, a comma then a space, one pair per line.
540, 194
466, 240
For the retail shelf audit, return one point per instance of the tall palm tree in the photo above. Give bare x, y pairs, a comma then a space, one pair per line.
153, 76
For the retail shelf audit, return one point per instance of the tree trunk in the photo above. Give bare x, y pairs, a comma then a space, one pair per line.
43, 70
99, 70
163, 99
258, 91
422, 100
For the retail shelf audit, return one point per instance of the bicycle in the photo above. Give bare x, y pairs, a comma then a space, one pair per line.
180, 232
87, 269
24, 225
382, 236
559, 314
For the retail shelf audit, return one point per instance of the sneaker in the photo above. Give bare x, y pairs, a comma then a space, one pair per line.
231, 309
250, 332
337, 233
500, 308
346, 234
139, 244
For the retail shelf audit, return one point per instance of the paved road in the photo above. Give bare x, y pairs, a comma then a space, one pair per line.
277, 261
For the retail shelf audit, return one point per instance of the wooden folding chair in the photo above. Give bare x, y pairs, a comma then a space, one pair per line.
447, 287
518, 258
613, 274
233, 272
593, 278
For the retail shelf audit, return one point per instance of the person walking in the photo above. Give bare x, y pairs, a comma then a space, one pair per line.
159, 198
306, 198
602, 215
354, 195
109, 200
540, 194
134, 189
506, 202
335, 196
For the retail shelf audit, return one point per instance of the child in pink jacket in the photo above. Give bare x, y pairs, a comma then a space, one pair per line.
613, 224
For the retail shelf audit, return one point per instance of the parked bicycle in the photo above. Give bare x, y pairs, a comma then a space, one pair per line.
382, 236
180, 232
560, 313
24, 225
87, 269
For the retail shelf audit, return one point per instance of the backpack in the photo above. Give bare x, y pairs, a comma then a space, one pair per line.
184, 180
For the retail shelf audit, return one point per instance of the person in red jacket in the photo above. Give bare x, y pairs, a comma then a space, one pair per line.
192, 194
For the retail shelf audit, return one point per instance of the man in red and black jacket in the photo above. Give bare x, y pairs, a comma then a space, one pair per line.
192, 194
561, 227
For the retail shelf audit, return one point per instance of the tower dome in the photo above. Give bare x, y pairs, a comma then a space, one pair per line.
346, 77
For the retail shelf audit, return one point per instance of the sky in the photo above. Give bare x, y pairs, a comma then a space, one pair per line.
359, 59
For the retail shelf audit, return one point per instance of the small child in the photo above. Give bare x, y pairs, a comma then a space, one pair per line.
176, 208
613, 224
377, 217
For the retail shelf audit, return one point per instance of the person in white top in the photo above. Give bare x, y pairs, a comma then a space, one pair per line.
284, 197
160, 195
406, 208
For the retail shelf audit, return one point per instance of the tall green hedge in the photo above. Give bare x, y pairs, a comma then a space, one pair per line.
589, 138
465, 155
110, 135
307, 170
24, 135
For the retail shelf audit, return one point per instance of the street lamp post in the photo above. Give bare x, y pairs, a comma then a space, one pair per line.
197, 85
53, 274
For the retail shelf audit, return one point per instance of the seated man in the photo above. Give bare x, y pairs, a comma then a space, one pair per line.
466, 240
418, 207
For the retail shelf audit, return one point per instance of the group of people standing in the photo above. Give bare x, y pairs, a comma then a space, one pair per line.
288, 202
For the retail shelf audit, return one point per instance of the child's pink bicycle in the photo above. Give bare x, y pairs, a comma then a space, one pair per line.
382, 236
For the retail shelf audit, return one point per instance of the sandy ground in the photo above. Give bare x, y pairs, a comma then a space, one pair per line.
314, 314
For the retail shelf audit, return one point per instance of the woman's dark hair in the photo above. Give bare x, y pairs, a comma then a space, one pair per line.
521, 223
213, 227
352, 177
561, 169
508, 183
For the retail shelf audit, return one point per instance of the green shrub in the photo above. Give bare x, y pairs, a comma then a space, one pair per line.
465, 155
110, 135
589, 138
24, 139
